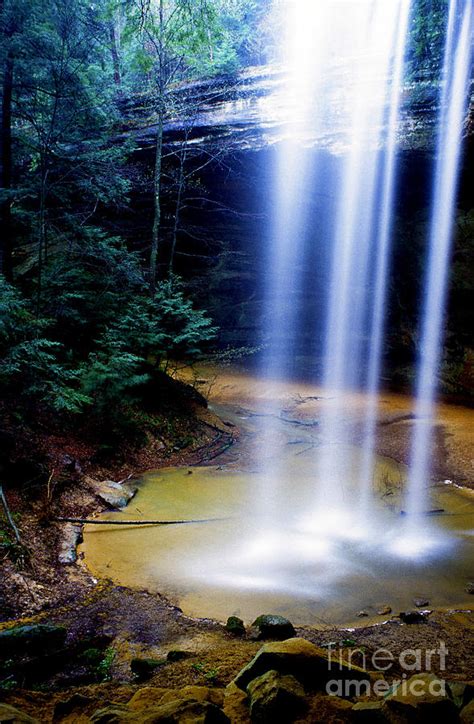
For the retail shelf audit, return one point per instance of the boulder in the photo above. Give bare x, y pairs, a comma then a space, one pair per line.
115, 495
147, 697
421, 602
462, 692
275, 698
10, 715
236, 626
303, 660
144, 668
236, 705
32, 639
422, 698
466, 715
195, 693
324, 708
183, 711
274, 627
74, 705
113, 714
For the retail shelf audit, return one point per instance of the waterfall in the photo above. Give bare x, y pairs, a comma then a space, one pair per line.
454, 94
361, 249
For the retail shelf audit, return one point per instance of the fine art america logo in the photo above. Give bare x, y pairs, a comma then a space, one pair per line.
409, 661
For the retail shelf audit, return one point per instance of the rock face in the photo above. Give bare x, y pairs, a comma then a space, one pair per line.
275, 698
301, 659
274, 627
250, 110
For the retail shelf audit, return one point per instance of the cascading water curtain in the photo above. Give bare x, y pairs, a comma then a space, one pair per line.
454, 96
362, 231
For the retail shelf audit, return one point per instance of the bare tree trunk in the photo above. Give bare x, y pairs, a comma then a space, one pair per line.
6, 243
155, 234
181, 184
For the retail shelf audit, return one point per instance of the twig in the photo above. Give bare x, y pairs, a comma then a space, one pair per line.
9, 515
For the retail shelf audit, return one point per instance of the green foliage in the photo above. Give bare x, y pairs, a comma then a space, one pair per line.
104, 667
427, 37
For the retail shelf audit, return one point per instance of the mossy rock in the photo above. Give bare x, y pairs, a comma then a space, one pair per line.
177, 655
235, 626
271, 626
145, 668
31, 639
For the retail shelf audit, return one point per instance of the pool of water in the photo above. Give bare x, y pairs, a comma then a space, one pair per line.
227, 560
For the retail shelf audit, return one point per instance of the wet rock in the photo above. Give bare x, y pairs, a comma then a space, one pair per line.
144, 668
275, 698
115, 495
466, 715
303, 660
177, 655
71, 537
421, 602
271, 626
39, 638
422, 698
368, 712
235, 626
10, 715
413, 616
384, 610
74, 705
236, 705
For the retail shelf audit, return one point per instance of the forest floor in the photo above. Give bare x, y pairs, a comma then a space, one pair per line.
125, 624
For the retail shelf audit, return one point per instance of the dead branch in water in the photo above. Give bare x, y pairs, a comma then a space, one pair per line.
94, 521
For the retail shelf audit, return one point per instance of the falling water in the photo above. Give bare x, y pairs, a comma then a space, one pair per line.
453, 107
304, 47
361, 249
384, 224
